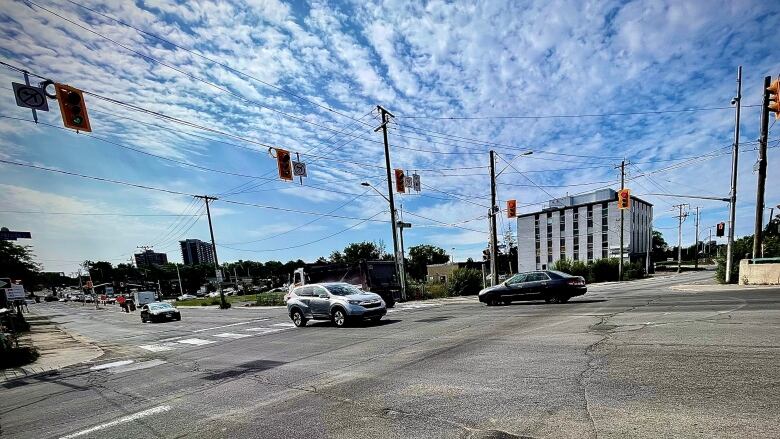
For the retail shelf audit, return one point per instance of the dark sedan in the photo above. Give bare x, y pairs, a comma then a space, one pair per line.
159, 312
552, 286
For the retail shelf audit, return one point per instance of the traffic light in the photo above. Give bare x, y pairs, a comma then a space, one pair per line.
486, 255
284, 164
720, 229
72, 107
624, 199
774, 98
511, 208
400, 185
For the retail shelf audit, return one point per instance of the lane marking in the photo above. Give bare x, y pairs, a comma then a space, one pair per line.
196, 341
129, 418
286, 325
227, 326
138, 366
110, 365
232, 335
265, 330
160, 347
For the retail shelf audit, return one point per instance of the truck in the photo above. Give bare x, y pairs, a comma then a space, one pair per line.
375, 276
141, 298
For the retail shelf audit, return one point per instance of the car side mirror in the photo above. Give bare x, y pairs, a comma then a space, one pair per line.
323, 295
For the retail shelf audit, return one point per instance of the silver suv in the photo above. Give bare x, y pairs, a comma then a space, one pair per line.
339, 302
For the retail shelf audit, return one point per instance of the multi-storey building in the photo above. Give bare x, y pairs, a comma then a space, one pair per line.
195, 251
583, 228
149, 258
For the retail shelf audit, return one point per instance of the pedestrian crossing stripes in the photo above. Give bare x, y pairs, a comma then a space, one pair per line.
232, 335
195, 341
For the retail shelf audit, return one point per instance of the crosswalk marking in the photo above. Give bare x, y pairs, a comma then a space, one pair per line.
159, 347
232, 335
265, 330
137, 366
286, 325
110, 365
196, 341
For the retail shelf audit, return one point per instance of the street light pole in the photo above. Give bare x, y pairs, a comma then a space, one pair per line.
734, 170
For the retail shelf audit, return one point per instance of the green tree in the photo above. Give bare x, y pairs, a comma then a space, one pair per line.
366, 250
420, 256
660, 247
464, 282
16, 262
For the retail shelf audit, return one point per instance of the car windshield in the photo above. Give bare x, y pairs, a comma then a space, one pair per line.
159, 306
519, 277
343, 289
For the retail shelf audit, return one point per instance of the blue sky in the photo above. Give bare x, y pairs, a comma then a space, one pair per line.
422, 61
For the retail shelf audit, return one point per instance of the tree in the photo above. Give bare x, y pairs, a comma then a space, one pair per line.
16, 262
420, 256
366, 250
660, 246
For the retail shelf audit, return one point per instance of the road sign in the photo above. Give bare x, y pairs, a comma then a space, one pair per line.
299, 169
10, 235
28, 96
5, 282
110, 290
416, 182
15, 292
408, 181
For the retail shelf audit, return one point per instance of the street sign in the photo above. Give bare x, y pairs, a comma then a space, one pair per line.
299, 169
15, 292
110, 290
10, 235
416, 182
28, 96
403, 225
5, 282
408, 181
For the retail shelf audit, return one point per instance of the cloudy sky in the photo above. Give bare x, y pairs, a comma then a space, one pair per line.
187, 97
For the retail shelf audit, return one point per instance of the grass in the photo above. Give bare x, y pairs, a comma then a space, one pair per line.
261, 299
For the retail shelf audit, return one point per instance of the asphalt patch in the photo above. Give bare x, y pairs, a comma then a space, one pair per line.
434, 319
243, 369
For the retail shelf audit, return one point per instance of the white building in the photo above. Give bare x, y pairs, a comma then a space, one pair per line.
583, 228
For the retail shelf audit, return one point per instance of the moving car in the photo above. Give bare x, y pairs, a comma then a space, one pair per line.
339, 302
550, 285
159, 312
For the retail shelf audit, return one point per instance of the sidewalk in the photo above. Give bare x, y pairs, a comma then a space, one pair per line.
56, 348
721, 287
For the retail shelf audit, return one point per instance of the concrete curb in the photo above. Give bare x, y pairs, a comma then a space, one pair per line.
720, 287
57, 348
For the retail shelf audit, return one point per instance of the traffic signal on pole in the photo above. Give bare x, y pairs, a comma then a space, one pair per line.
485, 255
72, 108
284, 164
774, 98
720, 229
624, 199
511, 208
400, 185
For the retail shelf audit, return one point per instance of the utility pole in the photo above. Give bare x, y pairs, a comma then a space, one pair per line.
679, 236
622, 219
762, 140
398, 264
696, 243
181, 289
217, 272
493, 211
734, 169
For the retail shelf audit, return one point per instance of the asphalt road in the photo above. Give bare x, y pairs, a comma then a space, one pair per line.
626, 360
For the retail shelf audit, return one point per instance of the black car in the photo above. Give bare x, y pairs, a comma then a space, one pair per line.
159, 312
552, 286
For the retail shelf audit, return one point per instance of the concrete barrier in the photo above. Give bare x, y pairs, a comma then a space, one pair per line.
758, 274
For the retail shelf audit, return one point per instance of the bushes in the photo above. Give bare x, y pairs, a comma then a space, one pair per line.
270, 299
464, 282
424, 291
600, 270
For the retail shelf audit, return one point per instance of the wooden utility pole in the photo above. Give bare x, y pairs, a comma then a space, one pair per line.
680, 217
762, 141
696, 243
492, 213
737, 101
217, 272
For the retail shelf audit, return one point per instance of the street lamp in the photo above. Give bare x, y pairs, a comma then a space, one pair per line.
399, 266
509, 163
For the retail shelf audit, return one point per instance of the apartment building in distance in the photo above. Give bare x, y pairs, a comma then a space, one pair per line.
583, 228
147, 258
195, 251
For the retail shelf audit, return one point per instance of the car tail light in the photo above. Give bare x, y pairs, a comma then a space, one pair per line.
576, 282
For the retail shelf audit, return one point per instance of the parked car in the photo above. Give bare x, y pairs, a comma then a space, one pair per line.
159, 312
552, 286
338, 302
186, 297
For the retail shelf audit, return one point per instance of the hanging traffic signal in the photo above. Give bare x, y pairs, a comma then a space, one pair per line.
511, 209
284, 164
720, 229
624, 199
774, 98
72, 107
400, 185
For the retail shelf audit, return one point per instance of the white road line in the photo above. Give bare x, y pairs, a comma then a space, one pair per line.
196, 341
137, 366
159, 347
227, 326
286, 325
232, 335
129, 418
110, 365
265, 330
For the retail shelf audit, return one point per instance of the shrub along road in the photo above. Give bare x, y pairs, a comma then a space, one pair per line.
637, 359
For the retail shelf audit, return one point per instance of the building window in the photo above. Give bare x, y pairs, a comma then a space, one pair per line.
576, 232
536, 240
590, 218
590, 247
604, 230
563, 247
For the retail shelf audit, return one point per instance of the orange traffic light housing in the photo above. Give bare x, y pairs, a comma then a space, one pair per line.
511, 208
72, 108
284, 164
720, 230
624, 199
774, 98
400, 186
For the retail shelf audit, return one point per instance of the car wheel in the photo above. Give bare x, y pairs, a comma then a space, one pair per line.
143, 319
178, 318
297, 318
339, 318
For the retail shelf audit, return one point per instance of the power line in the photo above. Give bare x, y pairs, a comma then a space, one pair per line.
40, 212
552, 116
